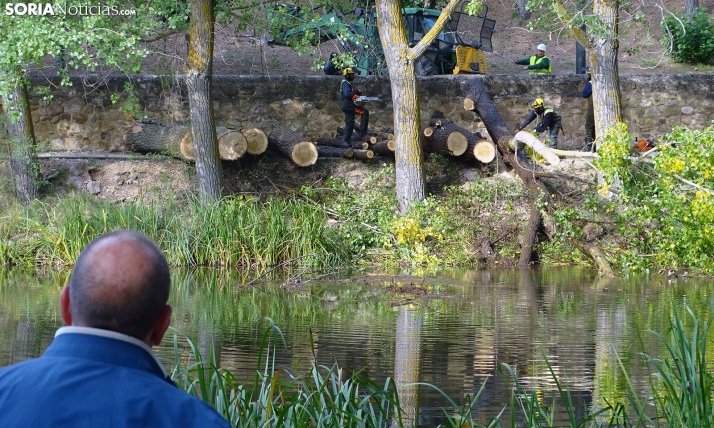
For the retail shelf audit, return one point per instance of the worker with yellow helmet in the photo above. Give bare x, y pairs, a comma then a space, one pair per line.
347, 98
548, 119
538, 63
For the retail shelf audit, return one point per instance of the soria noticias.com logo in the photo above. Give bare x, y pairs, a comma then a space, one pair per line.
52, 9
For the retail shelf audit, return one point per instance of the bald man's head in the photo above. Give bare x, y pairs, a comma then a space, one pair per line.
121, 283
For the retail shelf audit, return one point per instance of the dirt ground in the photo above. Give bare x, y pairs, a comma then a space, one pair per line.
243, 52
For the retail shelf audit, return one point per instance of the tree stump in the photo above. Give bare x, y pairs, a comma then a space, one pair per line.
295, 147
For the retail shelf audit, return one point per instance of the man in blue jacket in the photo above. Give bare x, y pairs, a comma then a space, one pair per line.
100, 370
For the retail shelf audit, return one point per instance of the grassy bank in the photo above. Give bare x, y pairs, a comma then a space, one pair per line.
237, 232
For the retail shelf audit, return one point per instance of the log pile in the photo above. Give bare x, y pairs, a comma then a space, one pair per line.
175, 139
445, 137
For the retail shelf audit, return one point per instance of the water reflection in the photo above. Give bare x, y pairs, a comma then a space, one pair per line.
451, 329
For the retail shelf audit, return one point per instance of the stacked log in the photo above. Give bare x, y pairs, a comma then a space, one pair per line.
334, 152
445, 137
384, 147
175, 139
295, 147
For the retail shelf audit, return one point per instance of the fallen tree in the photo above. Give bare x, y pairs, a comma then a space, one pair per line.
174, 139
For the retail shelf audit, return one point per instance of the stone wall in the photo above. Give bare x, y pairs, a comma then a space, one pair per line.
83, 117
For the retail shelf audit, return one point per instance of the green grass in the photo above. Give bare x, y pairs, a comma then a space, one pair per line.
235, 232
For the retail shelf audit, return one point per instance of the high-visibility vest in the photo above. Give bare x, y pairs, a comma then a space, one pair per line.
535, 59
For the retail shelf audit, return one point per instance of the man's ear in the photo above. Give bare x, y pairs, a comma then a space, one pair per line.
64, 305
160, 326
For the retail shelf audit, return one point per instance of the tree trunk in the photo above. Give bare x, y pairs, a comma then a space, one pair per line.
691, 6
23, 159
607, 100
445, 140
293, 146
523, 12
529, 237
483, 151
256, 139
160, 136
476, 99
199, 66
409, 158
334, 152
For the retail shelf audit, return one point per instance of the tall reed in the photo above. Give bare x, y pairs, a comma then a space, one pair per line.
325, 397
682, 387
231, 232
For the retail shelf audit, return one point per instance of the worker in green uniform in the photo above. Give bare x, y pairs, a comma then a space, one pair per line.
538, 63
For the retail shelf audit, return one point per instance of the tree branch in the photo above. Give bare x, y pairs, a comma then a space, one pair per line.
429, 37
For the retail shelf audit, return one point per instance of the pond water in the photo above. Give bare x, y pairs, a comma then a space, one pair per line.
452, 329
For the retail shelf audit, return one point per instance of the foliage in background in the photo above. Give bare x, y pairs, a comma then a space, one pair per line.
667, 205
689, 39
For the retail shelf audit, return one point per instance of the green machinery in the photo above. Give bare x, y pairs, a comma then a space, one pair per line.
356, 32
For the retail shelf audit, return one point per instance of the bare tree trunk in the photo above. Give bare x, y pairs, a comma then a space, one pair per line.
409, 157
23, 159
691, 6
199, 66
607, 100
523, 12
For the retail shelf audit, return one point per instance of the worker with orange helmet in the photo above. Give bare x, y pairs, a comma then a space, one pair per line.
548, 119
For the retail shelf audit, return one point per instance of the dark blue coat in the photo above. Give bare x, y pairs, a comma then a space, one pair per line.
90, 381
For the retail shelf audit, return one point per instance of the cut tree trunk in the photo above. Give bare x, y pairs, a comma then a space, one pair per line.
362, 145
231, 143
256, 139
363, 154
483, 151
293, 146
445, 137
334, 152
160, 136
384, 147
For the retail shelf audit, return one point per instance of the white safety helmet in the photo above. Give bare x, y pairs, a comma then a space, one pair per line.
541, 47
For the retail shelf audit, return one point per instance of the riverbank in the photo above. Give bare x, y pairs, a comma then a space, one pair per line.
336, 213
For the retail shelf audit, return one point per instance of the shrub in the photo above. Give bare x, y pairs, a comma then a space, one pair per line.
691, 40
